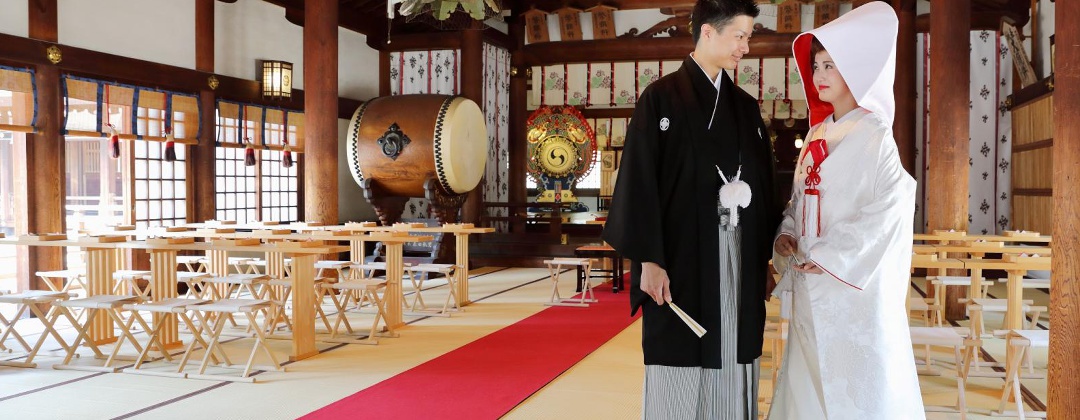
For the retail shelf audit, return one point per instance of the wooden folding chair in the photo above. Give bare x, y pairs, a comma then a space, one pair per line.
963, 350
62, 280
338, 267
280, 292
195, 281
93, 305
938, 301
556, 267
127, 281
420, 273
172, 306
366, 286
1020, 343
247, 307
29, 300
194, 263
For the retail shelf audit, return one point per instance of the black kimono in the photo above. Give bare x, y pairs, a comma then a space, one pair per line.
664, 210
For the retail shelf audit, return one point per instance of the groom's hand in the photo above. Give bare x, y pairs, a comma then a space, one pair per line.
655, 283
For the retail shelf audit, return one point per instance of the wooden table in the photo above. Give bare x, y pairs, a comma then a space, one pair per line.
1017, 267
101, 264
981, 250
602, 252
461, 236
961, 237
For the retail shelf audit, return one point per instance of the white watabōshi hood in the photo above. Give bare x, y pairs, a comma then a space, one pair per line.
862, 43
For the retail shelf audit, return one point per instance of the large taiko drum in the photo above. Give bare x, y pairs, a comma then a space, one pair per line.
399, 142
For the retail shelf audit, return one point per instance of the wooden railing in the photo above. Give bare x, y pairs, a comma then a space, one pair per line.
518, 216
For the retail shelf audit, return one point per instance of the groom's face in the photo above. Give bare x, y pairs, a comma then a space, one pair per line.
728, 44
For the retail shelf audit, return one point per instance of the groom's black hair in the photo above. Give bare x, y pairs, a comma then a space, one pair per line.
719, 13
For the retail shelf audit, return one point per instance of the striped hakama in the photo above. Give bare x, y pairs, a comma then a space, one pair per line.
730, 393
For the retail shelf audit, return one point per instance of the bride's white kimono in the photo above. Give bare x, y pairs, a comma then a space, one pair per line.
849, 353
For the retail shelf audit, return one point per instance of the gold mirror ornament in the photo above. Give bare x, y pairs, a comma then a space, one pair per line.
53, 54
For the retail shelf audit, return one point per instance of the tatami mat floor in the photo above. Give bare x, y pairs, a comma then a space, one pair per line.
605, 385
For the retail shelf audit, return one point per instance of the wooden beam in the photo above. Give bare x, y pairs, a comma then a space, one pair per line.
321, 111
988, 21
905, 88
667, 48
426, 41
1063, 383
551, 5
366, 23
417, 42
947, 203
99, 65
43, 20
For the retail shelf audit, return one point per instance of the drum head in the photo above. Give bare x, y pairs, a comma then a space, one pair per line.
461, 146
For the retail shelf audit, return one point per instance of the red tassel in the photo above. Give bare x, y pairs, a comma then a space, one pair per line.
170, 147
114, 142
249, 155
287, 160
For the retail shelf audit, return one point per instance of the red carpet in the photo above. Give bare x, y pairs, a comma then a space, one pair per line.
490, 376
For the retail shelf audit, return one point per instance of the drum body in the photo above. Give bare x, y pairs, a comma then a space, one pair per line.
399, 142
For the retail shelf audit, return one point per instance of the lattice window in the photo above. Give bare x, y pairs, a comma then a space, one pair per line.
160, 186
236, 197
280, 188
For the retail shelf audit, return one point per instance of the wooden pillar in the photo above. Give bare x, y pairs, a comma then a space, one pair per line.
39, 171
947, 183
1064, 376
519, 112
472, 87
384, 73
321, 110
905, 89
201, 157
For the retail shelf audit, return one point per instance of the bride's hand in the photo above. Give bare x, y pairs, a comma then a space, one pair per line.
808, 268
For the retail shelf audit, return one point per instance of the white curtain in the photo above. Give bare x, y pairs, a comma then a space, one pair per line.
990, 149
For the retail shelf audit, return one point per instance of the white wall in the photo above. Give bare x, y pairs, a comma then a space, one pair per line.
1046, 28
358, 66
14, 17
251, 30
162, 31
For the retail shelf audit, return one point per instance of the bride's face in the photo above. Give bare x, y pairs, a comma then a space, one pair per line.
829, 83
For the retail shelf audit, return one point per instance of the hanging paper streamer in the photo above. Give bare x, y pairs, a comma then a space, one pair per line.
114, 142
170, 147
818, 150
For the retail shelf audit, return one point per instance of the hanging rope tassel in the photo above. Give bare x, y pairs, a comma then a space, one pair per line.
287, 160
114, 142
249, 154
819, 150
170, 147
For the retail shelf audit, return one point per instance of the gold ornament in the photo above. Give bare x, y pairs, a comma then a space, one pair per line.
213, 82
53, 54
